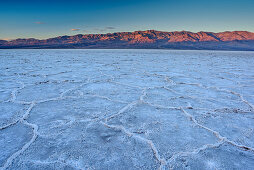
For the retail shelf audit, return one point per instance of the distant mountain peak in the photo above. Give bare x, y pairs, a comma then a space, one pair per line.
143, 39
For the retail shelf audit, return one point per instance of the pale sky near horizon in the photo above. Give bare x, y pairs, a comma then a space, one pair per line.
49, 18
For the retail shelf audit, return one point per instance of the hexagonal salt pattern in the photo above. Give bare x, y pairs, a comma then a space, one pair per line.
126, 109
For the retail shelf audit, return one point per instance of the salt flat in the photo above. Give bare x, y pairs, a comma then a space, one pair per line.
126, 109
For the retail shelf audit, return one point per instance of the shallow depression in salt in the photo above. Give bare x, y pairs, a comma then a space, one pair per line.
126, 109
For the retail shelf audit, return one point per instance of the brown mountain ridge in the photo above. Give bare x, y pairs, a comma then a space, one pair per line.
235, 40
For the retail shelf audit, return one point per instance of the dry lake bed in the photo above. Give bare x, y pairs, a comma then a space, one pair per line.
126, 109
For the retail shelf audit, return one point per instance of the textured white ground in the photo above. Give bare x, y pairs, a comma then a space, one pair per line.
126, 109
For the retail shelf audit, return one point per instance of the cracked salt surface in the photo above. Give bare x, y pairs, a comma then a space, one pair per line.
126, 109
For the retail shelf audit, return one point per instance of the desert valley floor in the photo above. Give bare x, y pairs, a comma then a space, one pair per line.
126, 109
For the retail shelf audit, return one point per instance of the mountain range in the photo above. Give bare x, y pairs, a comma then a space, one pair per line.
151, 39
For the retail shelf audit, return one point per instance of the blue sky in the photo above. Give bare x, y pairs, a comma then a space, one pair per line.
48, 18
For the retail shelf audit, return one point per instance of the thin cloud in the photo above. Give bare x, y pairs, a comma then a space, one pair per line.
104, 29
39, 22
110, 28
99, 29
75, 29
